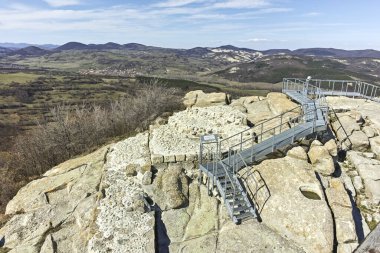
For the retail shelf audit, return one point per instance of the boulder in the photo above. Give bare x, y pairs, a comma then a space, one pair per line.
297, 153
279, 103
315, 143
170, 188
198, 98
332, 147
359, 141
259, 111
290, 202
321, 160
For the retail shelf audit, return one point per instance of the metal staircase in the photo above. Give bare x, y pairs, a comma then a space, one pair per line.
222, 159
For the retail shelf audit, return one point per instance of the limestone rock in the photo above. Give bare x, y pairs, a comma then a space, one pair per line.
203, 211
147, 178
122, 224
175, 221
347, 247
357, 181
369, 131
251, 236
295, 207
341, 207
369, 171
298, 153
200, 99
321, 160
203, 244
170, 188
347, 122
315, 143
332, 147
259, 111
279, 103
375, 145
180, 137
359, 141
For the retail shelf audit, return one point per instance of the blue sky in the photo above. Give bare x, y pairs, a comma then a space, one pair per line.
258, 24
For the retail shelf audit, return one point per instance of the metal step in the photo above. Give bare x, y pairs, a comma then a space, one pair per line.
244, 216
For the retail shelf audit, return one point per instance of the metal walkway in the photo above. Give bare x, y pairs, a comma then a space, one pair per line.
222, 159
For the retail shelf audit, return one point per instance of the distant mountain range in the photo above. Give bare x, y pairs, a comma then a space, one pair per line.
24, 49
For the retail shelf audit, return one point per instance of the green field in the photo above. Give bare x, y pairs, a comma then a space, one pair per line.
19, 77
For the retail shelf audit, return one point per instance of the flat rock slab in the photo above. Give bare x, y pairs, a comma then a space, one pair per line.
182, 133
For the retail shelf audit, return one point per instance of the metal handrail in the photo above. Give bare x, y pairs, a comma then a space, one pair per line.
339, 87
293, 120
246, 165
225, 183
344, 130
261, 123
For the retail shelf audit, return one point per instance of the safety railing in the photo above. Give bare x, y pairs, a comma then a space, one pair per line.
270, 129
258, 132
348, 88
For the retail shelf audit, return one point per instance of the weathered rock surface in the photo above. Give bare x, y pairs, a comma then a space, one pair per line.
280, 103
291, 202
369, 171
170, 188
62, 202
297, 153
123, 226
375, 145
332, 147
252, 237
359, 141
180, 137
321, 160
95, 203
198, 98
340, 204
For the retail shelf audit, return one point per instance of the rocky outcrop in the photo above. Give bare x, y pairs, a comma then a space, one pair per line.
170, 187
291, 202
198, 98
279, 103
142, 194
375, 145
321, 159
298, 153
178, 140
369, 172
341, 206
122, 223
57, 210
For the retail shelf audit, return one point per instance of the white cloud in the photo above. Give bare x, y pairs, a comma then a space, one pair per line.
241, 4
177, 3
255, 40
61, 3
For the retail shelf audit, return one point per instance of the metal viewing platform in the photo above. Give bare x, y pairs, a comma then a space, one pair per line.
222, 159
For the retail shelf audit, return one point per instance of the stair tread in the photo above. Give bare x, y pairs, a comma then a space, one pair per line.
244, 215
